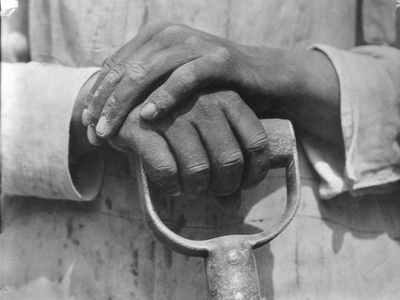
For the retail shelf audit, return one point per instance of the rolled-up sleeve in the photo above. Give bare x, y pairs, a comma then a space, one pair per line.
369, 78
37, 101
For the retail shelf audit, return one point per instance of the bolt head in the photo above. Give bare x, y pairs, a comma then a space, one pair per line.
233, 257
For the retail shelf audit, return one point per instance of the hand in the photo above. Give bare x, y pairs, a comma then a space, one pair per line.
162, 66
166, 63
212, 142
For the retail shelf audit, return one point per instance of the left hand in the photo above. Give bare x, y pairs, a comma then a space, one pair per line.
214, 142
162, 66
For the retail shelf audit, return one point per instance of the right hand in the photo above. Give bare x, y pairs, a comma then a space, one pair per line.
166, 64
211, 142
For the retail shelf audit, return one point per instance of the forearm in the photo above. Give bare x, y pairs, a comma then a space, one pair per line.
299, 85
302, 87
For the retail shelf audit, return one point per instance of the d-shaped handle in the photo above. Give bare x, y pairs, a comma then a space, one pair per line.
230, 264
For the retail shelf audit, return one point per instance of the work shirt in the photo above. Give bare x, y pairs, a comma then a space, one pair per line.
344, 247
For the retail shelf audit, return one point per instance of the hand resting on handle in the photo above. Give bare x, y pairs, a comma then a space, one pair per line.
213, 141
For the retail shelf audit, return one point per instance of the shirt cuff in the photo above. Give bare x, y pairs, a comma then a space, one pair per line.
37, 104
370, 119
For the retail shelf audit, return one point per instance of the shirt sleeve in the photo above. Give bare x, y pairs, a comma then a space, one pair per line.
37, 101
369, 78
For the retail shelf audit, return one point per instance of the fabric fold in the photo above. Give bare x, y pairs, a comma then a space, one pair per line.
35, 119
370, 103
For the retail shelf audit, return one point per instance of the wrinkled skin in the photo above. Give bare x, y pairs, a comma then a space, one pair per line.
214, 142
163, 65
168, 65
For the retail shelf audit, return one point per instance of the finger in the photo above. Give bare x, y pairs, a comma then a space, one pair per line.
110, 64
190, 155
138, 83
223, 151
93, 138
154, 152
251, 135
183, 82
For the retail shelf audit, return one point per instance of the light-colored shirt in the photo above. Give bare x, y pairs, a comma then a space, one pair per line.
330, 249
83, 35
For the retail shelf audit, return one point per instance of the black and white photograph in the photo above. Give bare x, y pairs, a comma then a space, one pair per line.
200, 149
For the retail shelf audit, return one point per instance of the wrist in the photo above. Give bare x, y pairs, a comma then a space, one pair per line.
272, 72
310, 89
312, 101
281, 76
299, 85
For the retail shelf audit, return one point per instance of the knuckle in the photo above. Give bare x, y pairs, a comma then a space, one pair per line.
155, 24
199, 170
233, 159
111, 59
164, 171
112, 103
109, 62
194, 40
228, 99
152, 28
172, 29
258, 154
115, 74
259, 144
221, 55
164, 175
137, 71
258, 174
205, 103
162, 23
231, 95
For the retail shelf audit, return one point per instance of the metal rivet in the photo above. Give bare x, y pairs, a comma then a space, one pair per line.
233, 257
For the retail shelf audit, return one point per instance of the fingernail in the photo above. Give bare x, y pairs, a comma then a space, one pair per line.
85, 117
93, 138
149, 111
101, 126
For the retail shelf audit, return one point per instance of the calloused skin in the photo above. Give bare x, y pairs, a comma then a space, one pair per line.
213, 142
171, 82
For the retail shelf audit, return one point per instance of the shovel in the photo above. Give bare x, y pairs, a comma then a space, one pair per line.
229, 260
